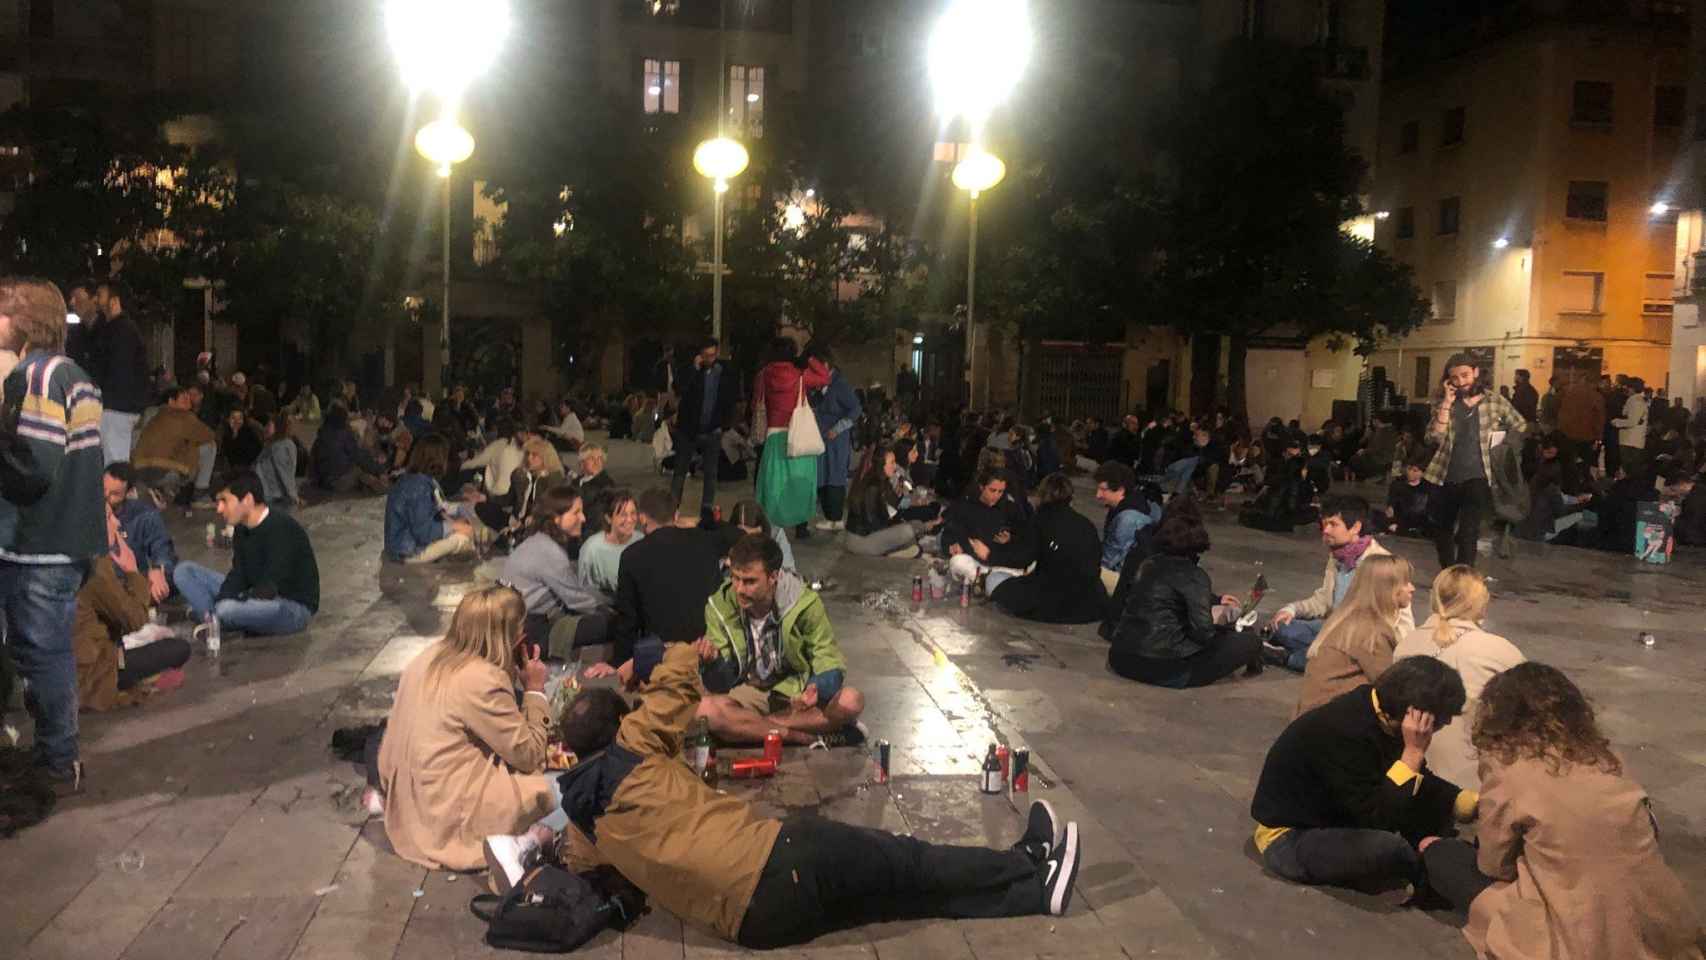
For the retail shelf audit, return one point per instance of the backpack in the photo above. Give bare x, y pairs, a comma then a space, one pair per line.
553, 910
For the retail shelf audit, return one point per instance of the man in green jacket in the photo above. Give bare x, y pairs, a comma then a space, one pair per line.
776, 665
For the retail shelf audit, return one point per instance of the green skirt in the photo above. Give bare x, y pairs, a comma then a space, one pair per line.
787, 486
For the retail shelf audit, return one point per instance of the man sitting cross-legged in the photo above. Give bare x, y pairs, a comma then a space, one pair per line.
777, 666
714, 861
274, 583
1345, 795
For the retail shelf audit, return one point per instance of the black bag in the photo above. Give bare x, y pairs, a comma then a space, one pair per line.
554, 911
20, 482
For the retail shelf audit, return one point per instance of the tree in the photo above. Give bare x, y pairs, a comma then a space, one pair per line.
1261, 183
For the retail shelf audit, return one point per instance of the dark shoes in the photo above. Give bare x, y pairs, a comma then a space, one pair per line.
852, 735
1044, 833
1060, 873
66, 781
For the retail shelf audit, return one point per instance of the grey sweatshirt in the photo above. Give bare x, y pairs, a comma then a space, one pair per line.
548, 579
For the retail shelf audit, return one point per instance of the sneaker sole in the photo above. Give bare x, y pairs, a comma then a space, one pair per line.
1061, 896
494, 865
1059, 837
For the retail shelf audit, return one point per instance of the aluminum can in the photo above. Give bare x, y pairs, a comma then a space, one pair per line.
917, 589
1021, 771
882, 762
752, 768
1005, 757
773, 746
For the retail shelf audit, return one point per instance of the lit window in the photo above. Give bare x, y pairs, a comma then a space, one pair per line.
746, 99
663, 86
11, 150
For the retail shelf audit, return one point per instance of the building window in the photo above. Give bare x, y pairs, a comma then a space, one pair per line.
1591, 102
1658, 295
1668, 106
663, 86
1406, 222
1424, 378
1581, 292
1409, 137
746, 99
1445, 301
1451, 127
1450, 211
1255, 19
1587, 200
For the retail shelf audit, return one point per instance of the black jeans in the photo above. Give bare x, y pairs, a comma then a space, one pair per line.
1368, 860
1463, 507
156, 657
1229, 651
709, 446
824, 876
834, 502
1453, 874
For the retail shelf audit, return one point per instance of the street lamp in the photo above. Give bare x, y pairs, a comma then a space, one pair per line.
979, 171
719, 159
978, 51
442, 46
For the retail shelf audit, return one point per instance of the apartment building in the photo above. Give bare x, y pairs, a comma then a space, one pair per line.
1528, 172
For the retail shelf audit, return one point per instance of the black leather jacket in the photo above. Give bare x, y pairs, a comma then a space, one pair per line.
1169, 613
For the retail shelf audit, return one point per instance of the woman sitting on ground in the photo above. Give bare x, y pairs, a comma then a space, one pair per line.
340, 463
112, 605
601, 553
1174, 631
875, 524
461, 759
416, 527
1453, 634
748, 517
1065, 586
1355, 644
564, 611
1568, 865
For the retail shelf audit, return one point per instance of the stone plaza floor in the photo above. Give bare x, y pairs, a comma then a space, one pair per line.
217, 823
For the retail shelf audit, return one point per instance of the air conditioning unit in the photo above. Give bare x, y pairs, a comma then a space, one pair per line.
1658, 308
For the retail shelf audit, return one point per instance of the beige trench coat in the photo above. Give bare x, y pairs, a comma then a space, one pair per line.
1477, 656
1581, 876
461, 761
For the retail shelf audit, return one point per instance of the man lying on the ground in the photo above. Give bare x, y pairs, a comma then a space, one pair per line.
274, 583
712, 860
1345, 794
1343, 522
143, 529
777, 665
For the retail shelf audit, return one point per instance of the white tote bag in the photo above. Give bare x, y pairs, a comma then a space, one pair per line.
804, 440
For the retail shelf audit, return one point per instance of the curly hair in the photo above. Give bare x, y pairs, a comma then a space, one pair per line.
1533, 711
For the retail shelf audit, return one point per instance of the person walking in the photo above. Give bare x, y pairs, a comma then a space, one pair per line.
52, 514
837, 410
122, 371
787, 486
1466, 417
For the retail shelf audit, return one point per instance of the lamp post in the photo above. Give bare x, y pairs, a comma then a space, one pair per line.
720, 159
979, 171
978, 51
442, 46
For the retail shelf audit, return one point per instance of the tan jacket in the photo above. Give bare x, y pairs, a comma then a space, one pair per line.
1338, 667
1581, 876
171, 441
1319, 604
460, 761
1477, 656
697, 852
110, 604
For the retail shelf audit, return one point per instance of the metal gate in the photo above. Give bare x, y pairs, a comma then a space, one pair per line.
1078, 381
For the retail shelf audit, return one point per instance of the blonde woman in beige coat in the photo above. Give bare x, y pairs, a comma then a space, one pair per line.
1568, 865
1355, 644
461, 759
1454, 635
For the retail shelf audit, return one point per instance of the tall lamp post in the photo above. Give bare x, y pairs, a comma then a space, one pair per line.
442, 46
979, 171
719, 159
978, 51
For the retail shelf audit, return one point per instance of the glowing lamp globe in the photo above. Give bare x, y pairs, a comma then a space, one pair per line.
720, 158
445, 143
978, 172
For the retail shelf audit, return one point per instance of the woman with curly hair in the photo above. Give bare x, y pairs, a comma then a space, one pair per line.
1568, 866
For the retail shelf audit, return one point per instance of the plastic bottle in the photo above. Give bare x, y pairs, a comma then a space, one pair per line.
212, 624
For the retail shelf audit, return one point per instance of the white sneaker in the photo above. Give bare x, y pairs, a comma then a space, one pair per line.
507, 858
1062, 873
828, 526
373, 802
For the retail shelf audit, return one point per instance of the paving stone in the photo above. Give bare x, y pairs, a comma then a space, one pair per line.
245, 928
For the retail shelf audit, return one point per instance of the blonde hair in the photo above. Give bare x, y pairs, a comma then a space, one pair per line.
593, 450
37, 309
486, 626
547, 453
1459, 593
1367, 618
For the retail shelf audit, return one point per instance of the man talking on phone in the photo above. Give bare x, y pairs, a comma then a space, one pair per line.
1467, 421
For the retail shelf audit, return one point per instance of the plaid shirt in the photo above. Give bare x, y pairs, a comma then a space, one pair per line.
1495, 413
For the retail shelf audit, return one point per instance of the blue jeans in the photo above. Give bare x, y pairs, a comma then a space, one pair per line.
200, 587
1179, 473
1296, 637
38, 604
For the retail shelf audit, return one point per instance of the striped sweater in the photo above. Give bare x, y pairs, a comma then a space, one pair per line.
59, 418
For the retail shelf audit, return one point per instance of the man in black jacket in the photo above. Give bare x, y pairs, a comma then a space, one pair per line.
986, 530
707, 403
121, 371
1345, 795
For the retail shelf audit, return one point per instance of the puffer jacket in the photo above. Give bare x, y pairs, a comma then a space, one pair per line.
697, 852
1169, 614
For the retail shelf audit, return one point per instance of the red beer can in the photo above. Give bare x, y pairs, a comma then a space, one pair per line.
882, 761
773, 746
1004, 757
752, 768
1021, 771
